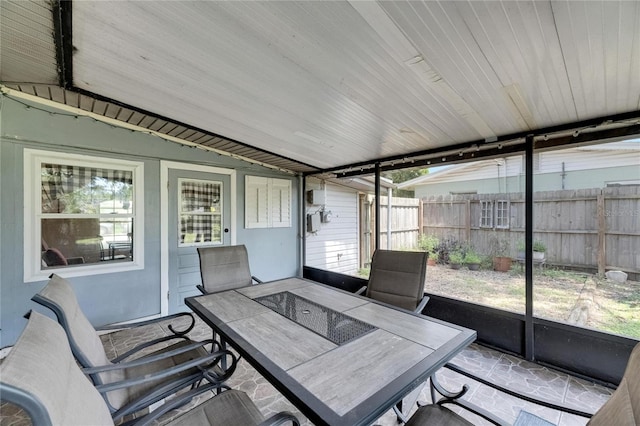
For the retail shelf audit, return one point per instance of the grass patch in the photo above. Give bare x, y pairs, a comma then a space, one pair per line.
364, 272
614, 307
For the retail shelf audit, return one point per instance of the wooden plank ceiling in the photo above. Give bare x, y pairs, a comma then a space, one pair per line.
316, 84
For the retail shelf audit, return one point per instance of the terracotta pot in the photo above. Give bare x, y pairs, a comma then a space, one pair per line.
431, 262
501, 264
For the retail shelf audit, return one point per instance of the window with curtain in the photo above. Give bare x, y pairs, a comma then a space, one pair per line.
83, 212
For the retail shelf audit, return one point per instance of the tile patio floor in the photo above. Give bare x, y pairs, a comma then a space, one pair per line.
507, 370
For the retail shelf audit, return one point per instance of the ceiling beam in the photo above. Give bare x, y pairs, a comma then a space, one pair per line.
582, 132
63, 40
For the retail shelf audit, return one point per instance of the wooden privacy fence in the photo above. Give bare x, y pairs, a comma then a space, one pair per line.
589, 229
399, 233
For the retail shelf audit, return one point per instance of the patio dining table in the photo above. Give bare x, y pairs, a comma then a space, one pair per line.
341, 359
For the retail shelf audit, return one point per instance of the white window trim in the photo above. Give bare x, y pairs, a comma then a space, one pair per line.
32, 199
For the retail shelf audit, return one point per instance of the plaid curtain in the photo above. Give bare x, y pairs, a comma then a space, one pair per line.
58, 180
199, 197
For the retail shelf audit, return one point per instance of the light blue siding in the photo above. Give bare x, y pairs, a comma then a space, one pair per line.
108, 298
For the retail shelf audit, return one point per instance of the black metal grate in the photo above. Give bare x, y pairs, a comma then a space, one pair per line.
335, 326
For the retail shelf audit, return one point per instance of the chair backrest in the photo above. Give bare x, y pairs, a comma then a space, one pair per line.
86, 346
224, 268
623, 408
40, 374
398, 277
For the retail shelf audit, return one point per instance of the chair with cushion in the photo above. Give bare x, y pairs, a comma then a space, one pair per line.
41, 376
224, 268
398, 278
622, 408
51, 256
155, 373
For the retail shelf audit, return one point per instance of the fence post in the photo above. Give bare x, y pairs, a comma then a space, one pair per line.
420, 216
602, 233
468, 224
389, 213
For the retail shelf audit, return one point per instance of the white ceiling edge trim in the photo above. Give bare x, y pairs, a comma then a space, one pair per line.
406, 54
6, 91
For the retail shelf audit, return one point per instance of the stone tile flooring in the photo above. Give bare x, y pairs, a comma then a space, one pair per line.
506, 370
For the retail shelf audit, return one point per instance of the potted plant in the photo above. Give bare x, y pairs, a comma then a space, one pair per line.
539, 249
500, 252
456, 259
472, 260
429, 243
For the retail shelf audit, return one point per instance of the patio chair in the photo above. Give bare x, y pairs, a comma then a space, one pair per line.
622, 408
398, 278
41, 376
224, 268
156, 372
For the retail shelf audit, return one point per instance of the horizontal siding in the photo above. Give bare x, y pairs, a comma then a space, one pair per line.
587, 159
335, 245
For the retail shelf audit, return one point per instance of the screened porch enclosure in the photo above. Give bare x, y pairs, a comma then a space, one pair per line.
525, 114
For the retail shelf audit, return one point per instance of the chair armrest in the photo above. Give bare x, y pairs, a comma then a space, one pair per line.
154, 321
469, 406
145, 360
257, 280
361, 290
145, 345
210, 360
280, 418
422, 304
176, 334
510, 392
201, 288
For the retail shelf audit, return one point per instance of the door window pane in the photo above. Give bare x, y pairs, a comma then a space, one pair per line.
200, 212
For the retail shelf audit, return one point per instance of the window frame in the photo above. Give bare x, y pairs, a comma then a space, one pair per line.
486, 206
501, 222
33, 160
